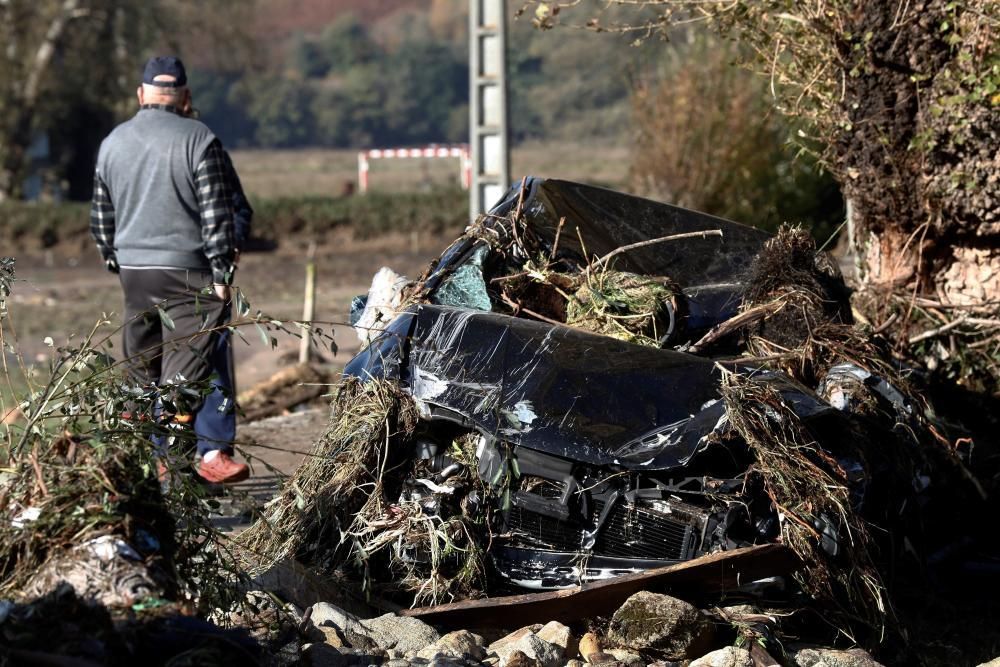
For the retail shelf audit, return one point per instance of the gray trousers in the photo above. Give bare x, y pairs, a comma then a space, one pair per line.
179, 346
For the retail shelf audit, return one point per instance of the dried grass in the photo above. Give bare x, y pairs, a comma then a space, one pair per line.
809, 489
344, 509
622, 305
306, 519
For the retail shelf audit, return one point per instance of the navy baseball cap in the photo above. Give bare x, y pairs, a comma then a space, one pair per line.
158, 65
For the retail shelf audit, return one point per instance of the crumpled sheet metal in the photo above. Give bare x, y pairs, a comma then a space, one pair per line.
553, 389
608, 220
709, 270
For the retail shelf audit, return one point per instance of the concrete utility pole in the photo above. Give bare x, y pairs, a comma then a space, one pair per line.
488, 103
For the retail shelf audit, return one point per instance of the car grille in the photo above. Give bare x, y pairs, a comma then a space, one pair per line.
537, 530
630, 531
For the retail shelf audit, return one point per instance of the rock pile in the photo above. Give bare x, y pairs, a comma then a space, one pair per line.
648, 630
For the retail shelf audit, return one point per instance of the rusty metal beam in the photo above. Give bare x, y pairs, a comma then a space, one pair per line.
712, 574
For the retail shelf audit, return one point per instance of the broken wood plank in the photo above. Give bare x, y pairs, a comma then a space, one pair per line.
712, 574
283, 391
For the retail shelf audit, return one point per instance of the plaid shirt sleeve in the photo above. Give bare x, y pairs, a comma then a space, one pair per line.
243, 213
215, 201
102, 221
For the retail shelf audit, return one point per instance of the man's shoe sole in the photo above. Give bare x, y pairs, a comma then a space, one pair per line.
232, 479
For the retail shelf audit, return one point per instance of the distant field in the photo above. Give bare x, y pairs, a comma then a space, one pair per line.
282, 173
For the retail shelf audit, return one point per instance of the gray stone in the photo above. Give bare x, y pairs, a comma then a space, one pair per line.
828, 657
289, 655
398, 662
651, 621
627, 658
324, 613
327, 620
513, 637
519, 659
574, 663
327, 634
402, 633
604, 659
458, 644
556, 633
323, 655
730, 656
533, 647
445, 661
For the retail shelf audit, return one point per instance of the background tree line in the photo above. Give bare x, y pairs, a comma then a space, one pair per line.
403, 80
273, 74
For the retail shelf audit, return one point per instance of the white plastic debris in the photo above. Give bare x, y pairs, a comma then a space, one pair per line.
27, 516
108, 547
384, 299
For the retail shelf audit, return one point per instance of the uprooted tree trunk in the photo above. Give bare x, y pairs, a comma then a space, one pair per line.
905, 97
910, 114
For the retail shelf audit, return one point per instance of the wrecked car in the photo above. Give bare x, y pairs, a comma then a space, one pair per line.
588, 384
611, 455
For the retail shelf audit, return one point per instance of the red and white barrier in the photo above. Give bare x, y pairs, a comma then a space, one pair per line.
461, 151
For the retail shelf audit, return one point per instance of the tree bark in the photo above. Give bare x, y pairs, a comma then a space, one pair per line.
24, 103
919, 158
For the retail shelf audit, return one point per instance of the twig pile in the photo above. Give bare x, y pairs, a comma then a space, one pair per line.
78, 490
623, 305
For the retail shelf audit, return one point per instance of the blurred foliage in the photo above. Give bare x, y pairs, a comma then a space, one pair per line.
68, 67
31, 226
403, 79
708, 139
366, 215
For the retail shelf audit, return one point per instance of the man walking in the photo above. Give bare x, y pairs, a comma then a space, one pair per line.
163, 219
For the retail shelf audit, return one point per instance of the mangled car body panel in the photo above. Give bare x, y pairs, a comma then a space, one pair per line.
607, 220
584, 221
550, 388
600, 432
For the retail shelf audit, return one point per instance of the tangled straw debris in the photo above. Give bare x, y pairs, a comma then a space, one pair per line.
630, 307
306, 519
811, 489
347, 509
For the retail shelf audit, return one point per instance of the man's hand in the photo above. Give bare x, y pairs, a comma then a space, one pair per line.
221, 291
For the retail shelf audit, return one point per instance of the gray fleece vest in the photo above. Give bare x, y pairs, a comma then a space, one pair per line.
148, 165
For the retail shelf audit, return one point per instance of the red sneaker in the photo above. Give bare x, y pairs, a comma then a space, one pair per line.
222, 469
